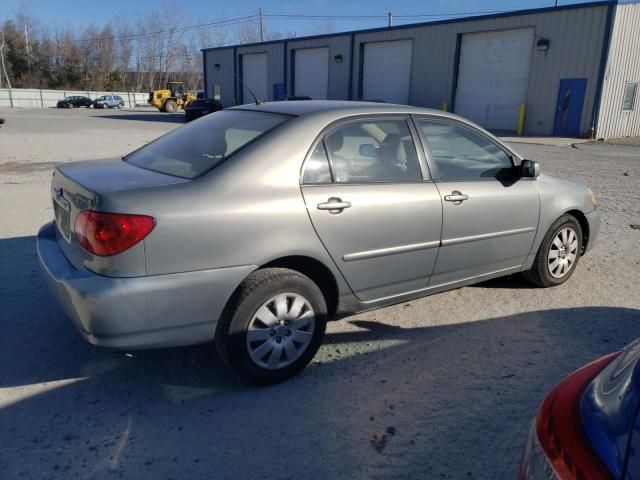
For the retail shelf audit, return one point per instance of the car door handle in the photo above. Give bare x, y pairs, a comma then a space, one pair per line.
334, 205
456, 197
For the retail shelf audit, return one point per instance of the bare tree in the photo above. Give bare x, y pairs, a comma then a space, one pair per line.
125, 47
26, 24
4, 67
248, 32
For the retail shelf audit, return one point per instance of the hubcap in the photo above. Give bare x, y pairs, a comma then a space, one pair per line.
280, 331
563, 252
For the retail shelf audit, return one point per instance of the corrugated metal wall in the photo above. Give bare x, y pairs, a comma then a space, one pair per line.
576, 44
623, 66
224, 75
576, 36
218, 66
338, 72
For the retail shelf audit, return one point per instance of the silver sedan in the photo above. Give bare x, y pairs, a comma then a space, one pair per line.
254, 225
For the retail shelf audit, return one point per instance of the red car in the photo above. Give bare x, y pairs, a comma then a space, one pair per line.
588, 427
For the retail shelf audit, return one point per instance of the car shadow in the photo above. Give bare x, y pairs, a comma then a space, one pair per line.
459, 398
158, 117
515, 282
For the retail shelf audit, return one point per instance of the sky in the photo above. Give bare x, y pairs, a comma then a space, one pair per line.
77, 14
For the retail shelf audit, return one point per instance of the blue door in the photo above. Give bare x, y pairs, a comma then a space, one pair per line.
569, 107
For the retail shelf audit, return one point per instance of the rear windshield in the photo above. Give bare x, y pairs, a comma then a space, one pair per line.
198, 147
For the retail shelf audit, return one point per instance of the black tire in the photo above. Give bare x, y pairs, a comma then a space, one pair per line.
540, 274
251, 295
170, 106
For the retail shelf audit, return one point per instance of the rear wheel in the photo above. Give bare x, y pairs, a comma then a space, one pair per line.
273, 325
558, 254
170, 106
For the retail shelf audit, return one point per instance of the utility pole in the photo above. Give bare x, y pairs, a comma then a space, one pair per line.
390, 15
261, 26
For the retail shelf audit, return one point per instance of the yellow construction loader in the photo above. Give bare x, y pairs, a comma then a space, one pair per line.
172, 98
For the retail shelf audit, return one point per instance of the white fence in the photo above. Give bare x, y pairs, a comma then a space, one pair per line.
36, 98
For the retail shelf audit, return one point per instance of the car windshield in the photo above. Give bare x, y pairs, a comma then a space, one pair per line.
101, 98
196, 148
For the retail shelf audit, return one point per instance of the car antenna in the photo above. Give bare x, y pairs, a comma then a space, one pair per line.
257, 100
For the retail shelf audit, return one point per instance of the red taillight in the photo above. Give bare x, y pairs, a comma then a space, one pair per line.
107, 234
560, 431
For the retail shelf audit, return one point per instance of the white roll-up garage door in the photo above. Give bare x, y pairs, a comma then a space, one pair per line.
311, 75
493, 76
386, 72
254, 76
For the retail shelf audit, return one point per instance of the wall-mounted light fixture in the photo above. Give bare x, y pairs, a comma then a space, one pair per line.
338, 58
543, 45
216, 66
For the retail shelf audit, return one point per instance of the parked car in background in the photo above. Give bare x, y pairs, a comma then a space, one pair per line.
588, 426
255, 224
74, 101
109, 101
200, 108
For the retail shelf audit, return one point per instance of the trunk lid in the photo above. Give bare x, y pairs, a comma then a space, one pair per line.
84, 185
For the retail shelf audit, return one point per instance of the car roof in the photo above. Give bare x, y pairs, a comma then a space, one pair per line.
333, 110
339, 107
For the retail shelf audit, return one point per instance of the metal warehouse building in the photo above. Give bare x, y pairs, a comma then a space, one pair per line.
566, 71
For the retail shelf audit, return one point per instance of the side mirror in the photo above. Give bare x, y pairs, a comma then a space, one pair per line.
368, 150
529, 169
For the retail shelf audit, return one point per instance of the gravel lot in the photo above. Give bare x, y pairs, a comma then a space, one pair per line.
457, 376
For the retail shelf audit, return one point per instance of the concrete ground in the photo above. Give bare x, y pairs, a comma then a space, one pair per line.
457, 376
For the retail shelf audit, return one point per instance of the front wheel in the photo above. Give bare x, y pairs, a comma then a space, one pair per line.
273, 325
558, 254
170, 106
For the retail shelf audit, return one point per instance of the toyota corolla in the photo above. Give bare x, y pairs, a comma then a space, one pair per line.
254, 225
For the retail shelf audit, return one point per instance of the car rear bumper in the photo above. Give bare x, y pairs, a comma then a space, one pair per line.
594, 219
137, 312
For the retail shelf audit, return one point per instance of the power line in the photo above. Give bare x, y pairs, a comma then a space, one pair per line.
131, 36
302, 16
283, 16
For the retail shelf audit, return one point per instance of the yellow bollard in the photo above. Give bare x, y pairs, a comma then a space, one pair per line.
445, 107
521, 113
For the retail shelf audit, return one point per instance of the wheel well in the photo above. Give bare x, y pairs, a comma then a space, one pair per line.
584, 225
317, 272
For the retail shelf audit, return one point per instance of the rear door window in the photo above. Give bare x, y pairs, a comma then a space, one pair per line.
196, 148
367, 151
316, 169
